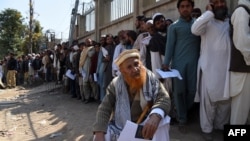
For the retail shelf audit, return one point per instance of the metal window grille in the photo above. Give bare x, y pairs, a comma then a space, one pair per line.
121, 8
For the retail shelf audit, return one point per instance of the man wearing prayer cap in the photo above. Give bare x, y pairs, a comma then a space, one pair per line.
157, 47
157, 16
129, 95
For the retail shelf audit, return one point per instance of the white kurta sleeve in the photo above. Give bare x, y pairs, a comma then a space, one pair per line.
200, 25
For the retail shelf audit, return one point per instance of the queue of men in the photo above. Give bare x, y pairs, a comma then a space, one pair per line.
23, 70
198, 47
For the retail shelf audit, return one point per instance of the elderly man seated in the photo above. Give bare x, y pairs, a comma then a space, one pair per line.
131, 94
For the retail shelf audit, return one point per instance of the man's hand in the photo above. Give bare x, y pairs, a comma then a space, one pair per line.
151, 126
107, 58
165, 68
99, 136
209, 7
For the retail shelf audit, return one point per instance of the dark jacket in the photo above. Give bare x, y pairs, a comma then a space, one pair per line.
12, 64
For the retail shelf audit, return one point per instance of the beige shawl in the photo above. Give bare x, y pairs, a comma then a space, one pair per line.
83, 56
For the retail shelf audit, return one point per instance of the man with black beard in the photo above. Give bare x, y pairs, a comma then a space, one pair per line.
157, 46
139, 23
213, 75
130, 37
158, 41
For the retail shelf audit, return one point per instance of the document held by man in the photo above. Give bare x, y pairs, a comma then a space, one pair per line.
167, 74
70, 75
132, 131
104, 52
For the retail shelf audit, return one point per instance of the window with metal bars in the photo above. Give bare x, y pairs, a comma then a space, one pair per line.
121, 8
90, 21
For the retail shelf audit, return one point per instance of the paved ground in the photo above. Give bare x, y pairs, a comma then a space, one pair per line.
40, 114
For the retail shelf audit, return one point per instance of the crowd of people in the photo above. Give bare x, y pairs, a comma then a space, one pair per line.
25, 69
212, 57
115, 70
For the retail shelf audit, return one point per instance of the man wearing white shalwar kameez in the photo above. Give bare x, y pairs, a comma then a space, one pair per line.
213, 67
240, 75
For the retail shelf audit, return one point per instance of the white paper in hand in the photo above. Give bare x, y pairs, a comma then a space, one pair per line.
104, 52
70, 75
130, 129
168, 74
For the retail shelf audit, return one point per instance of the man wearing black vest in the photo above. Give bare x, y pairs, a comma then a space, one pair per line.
240, 65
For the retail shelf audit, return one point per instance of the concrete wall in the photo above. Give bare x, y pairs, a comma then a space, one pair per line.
146, 7
168, 9
123, 23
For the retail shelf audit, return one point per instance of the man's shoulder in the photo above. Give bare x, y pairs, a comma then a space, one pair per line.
120, 45
151, 75
142, 35
175, 25
176, 22
241, 6
157, 36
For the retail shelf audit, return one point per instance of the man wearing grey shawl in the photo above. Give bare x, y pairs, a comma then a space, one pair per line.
128, 96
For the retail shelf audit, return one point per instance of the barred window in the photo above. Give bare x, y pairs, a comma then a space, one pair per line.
90, 21
120, 8
88, 11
